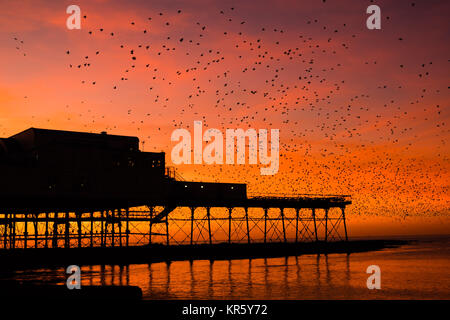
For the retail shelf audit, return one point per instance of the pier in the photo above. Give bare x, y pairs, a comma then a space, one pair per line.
63, 189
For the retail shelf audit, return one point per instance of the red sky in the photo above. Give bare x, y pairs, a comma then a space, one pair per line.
360, 112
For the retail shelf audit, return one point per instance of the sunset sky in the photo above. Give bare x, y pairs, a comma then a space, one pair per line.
360, 112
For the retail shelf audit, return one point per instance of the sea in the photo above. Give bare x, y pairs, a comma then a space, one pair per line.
418, 270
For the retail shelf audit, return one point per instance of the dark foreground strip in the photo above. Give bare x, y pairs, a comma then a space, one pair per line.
238, 309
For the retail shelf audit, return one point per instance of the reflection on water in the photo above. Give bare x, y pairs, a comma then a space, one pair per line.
418, 271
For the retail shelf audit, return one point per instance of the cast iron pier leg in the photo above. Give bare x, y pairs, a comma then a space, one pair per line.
25, 238
192, 225
119, 217
66, 231
102, 232
248, 229
152, 209
36, 231
46, 229
208, 215
5, 232
113, 220
78, 215
92, 229
167, 229
127, 226
315, 224
265, 225
230, 210
345, 226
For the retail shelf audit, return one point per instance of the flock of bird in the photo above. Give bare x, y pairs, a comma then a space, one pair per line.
333, 140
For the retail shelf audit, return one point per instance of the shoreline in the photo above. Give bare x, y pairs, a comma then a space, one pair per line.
20, 259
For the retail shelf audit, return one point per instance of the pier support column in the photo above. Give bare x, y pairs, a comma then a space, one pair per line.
91, 242
192, 225
25, 234
326, 224
13, 234
113, 223
5, 232
296, 225
12, 231
167, 229
46, 230
36, 231
66, 231
345, 226
208, 215
119, 217
248, 229
230, 210
284, 227
315, 223
78, 216
10, 226
55, 230
152, 211
127, 226
102, 230
265, 224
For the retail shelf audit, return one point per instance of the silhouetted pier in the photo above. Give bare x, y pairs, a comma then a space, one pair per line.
65, 189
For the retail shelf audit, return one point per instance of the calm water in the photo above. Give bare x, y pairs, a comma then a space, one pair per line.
416, 271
